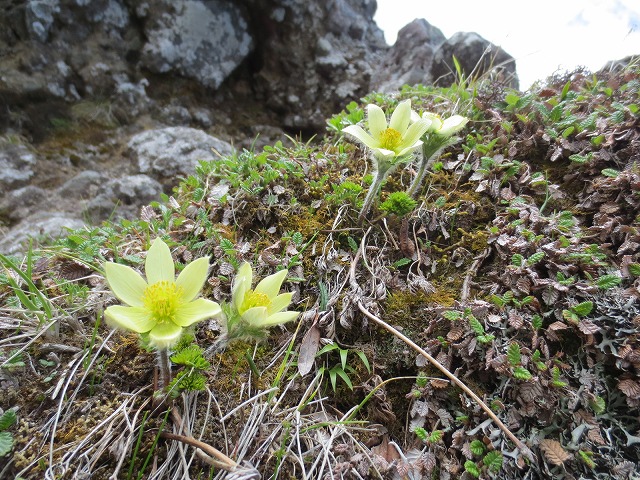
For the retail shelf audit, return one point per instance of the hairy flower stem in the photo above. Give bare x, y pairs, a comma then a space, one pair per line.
164, 367
383, 170
430, 151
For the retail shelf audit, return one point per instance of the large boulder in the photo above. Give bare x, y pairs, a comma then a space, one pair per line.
476, 57
201, 39
408, 62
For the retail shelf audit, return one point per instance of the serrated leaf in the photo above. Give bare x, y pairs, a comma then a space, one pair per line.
6, 443
517, 260
634, 269
585, 456
472, 468
476, 326
608, 281
402, 262
436, 436
7, 419
610, 172
522, 373
536, 322
571, 317
493, 460
554, 452
452, 315
583, 308
513, 354
477, 447
535, 258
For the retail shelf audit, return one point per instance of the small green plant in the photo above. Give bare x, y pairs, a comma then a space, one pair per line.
345, 192
341, 369
574, 313
491, 461
191, 357
352, 116
7, 420
399, 203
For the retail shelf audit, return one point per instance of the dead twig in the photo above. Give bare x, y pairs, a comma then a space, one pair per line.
523, 448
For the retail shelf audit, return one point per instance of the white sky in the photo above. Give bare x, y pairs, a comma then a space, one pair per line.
544, 36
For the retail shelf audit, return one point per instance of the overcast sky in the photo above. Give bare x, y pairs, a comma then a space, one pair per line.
543, 35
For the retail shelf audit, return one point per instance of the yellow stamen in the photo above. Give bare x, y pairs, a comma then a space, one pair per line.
162, 299
254, 299
390, 139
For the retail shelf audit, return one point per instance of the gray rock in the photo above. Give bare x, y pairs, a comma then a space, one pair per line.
41, 227
122, 197
201, 39
476, 56
83, 185
17, 165
21, 202
173, 152
408, 62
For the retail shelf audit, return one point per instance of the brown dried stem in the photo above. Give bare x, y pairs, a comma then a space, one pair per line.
521, 446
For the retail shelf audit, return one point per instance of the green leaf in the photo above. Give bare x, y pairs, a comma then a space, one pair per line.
6, 443
343, 375
634, 269
535, 258
485, 338
452, 315
472, 468
556, 382
522, 373
608, 281
476, 326
421, 433
517, 260
436, 436
513, 354
582, 309
7, 419
364, 359
343, 357
493, 460
352, 244
585, 456
570, 317
511, 99
598, 405
477, 447
610, 172
402, 262
536, 322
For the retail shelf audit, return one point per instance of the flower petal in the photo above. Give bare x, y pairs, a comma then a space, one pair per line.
159, 265
452, 125
241, 283
192, 278
436, 121
270, 285
280, 318
255, 316
360, 134
192, 312
135, 319
376, 120
279, 303
413, 134
401, 117
165, 335
125, 283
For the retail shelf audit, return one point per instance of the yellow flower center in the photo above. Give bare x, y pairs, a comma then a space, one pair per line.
390, 139
254, 299
162, 300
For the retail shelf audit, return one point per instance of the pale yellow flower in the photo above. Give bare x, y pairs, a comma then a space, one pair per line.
263, 306
160, 306
446, 128
394, 140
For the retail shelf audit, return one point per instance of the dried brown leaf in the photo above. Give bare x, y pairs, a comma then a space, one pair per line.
558, 326
588, 327
515, 320
554, 452
455, 333
596, 437
439, 383
308, 350
629, 387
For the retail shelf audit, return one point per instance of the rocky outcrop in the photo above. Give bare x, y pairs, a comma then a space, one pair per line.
476, 57
422, 54
105, 104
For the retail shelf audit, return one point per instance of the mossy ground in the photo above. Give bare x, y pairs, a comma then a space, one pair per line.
518, 270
